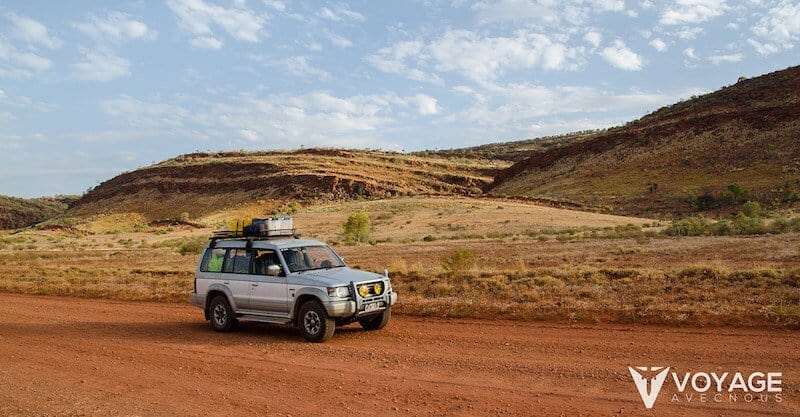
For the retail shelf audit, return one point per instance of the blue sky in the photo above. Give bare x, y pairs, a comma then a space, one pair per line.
91, 89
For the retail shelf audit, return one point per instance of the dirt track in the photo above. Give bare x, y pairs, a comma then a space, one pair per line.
64, 356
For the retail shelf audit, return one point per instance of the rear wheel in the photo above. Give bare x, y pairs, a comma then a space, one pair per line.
377, 321
314, 323
222, 316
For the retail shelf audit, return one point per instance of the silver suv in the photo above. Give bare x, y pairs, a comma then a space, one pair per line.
303, 282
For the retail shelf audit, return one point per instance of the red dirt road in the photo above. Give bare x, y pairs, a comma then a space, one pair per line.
66, 356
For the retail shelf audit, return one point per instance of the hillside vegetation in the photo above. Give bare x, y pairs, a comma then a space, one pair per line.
20, 212
202, 183
710, 153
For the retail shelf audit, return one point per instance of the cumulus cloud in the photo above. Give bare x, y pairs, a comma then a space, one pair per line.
693, 11
29, 60
101, 65
199, 18
318, 117
206, 42
778, 30
658, 45
717, 59
338, 40
340, 13
300, 66
525, 108
31, 31
482, 58
544, 13
593, 37
622, 57
426, 105
394, 60
115, 26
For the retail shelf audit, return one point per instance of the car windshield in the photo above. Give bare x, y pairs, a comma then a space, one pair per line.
306, 258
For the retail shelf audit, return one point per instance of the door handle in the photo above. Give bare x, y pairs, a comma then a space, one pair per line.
255, 284
226, 282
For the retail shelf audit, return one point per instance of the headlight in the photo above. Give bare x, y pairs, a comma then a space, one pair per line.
340, 292
379, 288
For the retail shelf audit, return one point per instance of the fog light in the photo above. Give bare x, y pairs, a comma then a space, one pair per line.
378, 288
363, 291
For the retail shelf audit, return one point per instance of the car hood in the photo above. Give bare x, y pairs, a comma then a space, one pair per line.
337, 276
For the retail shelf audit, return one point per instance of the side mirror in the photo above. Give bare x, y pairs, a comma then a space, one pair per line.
273, 270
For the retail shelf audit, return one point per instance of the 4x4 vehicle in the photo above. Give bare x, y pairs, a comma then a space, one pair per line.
303, 282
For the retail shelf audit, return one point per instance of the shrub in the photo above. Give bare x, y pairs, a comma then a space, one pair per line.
184, 217
459, 261
357, 229
746, 225
690, 226
752, 209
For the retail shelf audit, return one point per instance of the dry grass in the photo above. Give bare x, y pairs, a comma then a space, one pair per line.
527, 262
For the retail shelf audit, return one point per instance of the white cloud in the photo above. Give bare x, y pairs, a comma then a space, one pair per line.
206, 42
32, 31
546, 13
318, 118
197, 17
779, 29
518, 109
9, 53
693, 11
301, 67
338, 40
689, 53
593, 37
658, 44
101, 65
485, 58
717, 59
275, 4
340, 13
688, 33
426, 105
622, 57
392, 59
116, 26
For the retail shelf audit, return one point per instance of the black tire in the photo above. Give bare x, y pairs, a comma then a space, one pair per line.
314, 323
221, 315
378, 321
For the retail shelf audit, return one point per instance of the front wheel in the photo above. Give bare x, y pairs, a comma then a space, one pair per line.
221, 314
314, 323
377, 321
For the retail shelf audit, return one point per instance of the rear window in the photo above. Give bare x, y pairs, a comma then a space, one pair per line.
237, 261
213, 260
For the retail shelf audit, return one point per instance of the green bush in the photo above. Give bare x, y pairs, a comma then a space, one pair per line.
357, 229
752, 209
749, 225
459, 262
690, 226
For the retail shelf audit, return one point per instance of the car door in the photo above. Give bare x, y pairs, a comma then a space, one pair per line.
267, 293
235, 275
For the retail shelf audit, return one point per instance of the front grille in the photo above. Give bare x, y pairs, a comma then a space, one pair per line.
371, 289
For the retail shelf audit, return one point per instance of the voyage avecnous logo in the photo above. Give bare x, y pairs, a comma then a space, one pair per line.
705, 387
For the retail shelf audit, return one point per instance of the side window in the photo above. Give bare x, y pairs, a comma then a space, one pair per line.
237, 261
212, 260
262, 259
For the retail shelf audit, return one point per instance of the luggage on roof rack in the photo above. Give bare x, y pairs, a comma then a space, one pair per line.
269, 227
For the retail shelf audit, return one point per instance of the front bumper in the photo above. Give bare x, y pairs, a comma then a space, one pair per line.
350, 308
340, 308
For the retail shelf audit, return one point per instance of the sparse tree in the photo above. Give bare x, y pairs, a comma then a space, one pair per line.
357, 229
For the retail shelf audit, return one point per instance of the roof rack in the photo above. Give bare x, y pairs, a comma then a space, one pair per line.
227, 234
